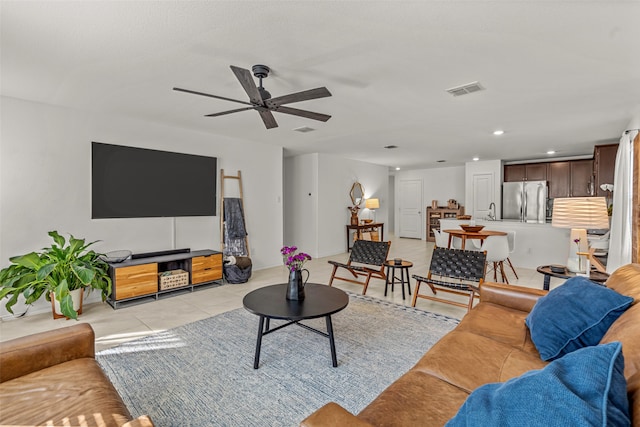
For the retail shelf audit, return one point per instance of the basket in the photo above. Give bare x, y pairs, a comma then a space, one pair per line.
173, 279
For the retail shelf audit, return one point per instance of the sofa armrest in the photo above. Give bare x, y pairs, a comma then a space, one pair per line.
141, 421
32, 353
333, 414
516, 297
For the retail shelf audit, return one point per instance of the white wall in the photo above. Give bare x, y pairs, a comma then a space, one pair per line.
301, 200
439, 184
328, 178
45, 183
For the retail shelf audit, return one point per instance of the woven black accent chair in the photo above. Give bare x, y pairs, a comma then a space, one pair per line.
454, 271
366, 261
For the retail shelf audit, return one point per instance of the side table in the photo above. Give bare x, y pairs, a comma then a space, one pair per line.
404, 267
360, 228
594, 275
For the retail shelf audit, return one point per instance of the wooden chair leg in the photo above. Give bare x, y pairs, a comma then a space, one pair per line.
366, 284
512, 269
495, 271
470, 301
415, 293
505, 279
335, 267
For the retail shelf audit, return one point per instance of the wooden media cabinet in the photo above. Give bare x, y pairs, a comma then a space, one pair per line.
138, 278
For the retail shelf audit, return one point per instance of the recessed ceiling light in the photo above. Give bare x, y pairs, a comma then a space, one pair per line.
475, 159
498, 132
397, 169
390, 147
304, 129
551, 152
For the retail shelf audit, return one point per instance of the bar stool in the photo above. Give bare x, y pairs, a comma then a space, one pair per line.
404, 267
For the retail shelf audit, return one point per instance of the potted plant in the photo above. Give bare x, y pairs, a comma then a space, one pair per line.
58, 272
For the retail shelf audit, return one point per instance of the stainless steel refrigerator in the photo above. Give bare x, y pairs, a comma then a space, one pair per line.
524, 201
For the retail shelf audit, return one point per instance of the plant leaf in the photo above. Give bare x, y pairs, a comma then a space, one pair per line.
30, 260
66, 307
57, 238
45, 270
83, 273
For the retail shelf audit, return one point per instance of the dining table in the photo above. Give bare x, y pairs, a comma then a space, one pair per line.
474, 235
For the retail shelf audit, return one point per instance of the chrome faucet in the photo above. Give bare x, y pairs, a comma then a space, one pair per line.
492, 214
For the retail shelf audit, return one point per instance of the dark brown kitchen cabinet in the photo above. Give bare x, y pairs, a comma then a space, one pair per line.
525, 172
570, 179
582, 178
536, 171
514, 173
559, 174
604, 162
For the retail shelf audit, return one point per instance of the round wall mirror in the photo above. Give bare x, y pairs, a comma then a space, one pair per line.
357, 194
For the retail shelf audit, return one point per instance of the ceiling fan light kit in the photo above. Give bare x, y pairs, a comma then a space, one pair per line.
260, 99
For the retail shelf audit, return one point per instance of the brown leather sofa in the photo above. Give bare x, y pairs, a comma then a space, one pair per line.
53, 379
491, 344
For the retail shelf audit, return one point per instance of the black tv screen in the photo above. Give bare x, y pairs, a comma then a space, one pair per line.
130, 182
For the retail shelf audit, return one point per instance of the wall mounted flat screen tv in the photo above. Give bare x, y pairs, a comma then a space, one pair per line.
130, 182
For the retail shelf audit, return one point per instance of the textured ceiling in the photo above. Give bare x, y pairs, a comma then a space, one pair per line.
560, 75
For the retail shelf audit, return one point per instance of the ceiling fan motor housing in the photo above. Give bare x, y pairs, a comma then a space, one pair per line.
260, 71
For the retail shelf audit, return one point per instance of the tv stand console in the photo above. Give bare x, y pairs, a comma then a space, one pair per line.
137, 279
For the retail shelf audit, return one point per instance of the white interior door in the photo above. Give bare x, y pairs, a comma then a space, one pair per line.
482, 195
410, 209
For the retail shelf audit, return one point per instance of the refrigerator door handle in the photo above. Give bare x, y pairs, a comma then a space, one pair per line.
524, 203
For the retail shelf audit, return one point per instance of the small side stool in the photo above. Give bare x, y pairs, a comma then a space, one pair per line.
404, 267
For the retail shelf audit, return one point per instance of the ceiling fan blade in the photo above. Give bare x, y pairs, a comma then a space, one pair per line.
267, 118
303, 113
321, 92
211, 96
246, 80
229, 112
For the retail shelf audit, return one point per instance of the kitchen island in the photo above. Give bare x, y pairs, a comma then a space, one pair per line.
535, 243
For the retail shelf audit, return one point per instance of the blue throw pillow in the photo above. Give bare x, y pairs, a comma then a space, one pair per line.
574, 315
584, 388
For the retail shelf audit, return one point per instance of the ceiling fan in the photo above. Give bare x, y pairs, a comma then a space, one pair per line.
261, 101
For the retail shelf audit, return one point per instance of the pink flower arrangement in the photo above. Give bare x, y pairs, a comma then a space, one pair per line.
294, 261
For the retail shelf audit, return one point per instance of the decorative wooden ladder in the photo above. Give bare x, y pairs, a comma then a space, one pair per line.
238, 178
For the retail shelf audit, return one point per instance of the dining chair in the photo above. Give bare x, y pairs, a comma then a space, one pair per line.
497, 249
511, 239
442, 238
456, 242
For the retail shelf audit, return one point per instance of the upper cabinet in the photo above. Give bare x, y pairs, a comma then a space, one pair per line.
559, 179
571, 179
525, 172
604, 161
582, 178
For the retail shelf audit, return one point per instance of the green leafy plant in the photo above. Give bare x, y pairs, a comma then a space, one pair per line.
58, 269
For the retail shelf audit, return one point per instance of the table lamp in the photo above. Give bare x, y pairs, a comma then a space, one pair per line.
372, 205
578, 214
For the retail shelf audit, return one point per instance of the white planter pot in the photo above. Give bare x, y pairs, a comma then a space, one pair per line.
76, 297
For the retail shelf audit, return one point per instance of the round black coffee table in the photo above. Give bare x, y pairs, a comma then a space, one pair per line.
270, 302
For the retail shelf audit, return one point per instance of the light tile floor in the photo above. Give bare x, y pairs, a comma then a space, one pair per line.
113, 327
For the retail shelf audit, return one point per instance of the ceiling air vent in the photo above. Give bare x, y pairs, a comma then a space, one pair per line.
466, 89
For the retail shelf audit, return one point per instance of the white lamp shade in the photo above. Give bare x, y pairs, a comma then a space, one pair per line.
372, 204
580, 212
